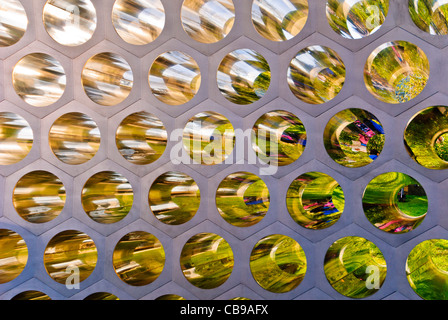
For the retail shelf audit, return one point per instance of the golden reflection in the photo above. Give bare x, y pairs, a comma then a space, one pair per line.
70, 253
16, 138
139, 258
174, 78
206, 260
70, 22
170, 297
13, 22
107, 197
101, 296
39, 79
208, 21
74, 138
31, 295
141, 138
13, 255
430, 16
244, 76
39, 196
138, 22
279, 20
107, 79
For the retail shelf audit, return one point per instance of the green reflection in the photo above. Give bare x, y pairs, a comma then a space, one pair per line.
430, 15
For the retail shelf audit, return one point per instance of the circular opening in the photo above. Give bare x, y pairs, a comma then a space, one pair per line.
315, 200
279, 138
354, 138
138, 22
174, 198
278, 263
206, 260
107, 197
141, 138
170, 297
101, 296
39, 79
430, 16
16, 138
242, 199
207, 21
426, 138
316, 74
107, 79
209, 138
244, 76
13, 22
174, 78
74, 138
70, 22
355, 267
31, 295
427, 269
279, 20
356, 19
69, 254
13, 255
396, 72
138, 258
39, 197
395, 202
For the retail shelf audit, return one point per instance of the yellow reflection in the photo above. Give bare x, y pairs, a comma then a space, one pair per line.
16, 138
13, 22
170, 297
101, 296
31, 295
13, 255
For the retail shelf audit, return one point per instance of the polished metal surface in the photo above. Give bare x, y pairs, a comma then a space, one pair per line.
107, 79
430, 15
16, 138
39, 79
101, 296
279, 20
138, 22
170, 297
138, 258
13, 22
107, 197
13, 255
208, 21
31, 295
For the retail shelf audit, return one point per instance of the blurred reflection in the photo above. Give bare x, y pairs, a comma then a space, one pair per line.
279, 20
396, 72
74, 138
242, 199
13, 22
16, 138
430, 15
208, 21
70, 22
349, 264
138, 258
209, 138
31, 295
244, 76
107, 197
13, 255
70, 252
278, 263
170, 297
206, 260
39, 79
356, 19
107, 79
39, 196
279, 138
354, 138
141, 138
174, 198
174, 78
316, 74
138, 22
315, 200
101, 296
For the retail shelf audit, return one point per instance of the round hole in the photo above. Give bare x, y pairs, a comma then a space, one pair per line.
13, 22
315, 200
354, 138
278, 263
430, 16
316, 74
107, 197
208, 21
244, 76
39, 79
206, 260
242, 199
170, 297
13, 255
16, 138
107, 79
405, 76
138, 258
395, 202
31, 295
101, 296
